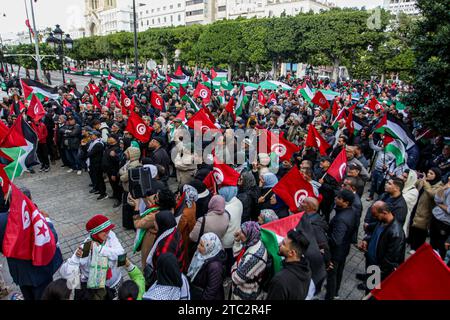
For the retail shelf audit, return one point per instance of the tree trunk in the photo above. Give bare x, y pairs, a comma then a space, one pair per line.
336, 63
230, 70
382, 78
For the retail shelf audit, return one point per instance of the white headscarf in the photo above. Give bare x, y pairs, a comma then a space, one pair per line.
212, 245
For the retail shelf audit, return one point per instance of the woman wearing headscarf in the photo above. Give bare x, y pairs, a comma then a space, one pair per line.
233, 206
428, 187
266, 216
251, 260
248, 193
215, 221
268, 199
206, 271
204, 197
170, 283
410, 194
168, 239
185, 215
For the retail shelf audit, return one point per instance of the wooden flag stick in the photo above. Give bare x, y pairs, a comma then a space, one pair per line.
264, 196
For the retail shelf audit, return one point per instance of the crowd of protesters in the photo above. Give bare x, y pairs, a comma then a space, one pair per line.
196, 244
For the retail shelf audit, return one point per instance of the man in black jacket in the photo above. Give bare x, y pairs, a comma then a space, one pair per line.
394, 198
351, 183
385, 242
327, 189
294, 280
342, 227
95, 155
158, 155
111, 166
71, 142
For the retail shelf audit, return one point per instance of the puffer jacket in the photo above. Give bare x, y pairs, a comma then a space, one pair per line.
425, 204
133, 155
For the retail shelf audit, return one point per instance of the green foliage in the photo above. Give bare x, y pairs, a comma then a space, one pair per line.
27, 62
431, 98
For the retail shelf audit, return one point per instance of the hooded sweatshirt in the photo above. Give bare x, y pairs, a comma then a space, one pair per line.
292, 282
133, 155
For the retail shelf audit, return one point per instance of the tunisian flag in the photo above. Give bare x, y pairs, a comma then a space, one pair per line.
293, 189
375, 105
27, 234
93, 88
203, 92
281, 146
338, 167
35, 109
224, 175
320, 100
157, 101
424, 276
230, 108
261, 98
113, 98
202, 120
128, 103
138, 129
315, 140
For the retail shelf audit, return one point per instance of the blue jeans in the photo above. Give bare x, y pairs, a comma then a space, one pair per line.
377, 179
72, 157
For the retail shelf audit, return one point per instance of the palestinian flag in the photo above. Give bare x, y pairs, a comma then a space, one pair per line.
273, 233
397, 148
242, 101
219, 75
176, 81
306, 92
41, 90
116, 81
191, 102
20, 147
392, 127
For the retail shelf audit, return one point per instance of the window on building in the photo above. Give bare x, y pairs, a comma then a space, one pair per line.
194, 13
171, 18
222, 8
153, 10
165, 20
191, 2
148, 22
158, 9
146, 11
171, 6
142, 23
164, 8
179, 17
179, 5
153, 21
159, 20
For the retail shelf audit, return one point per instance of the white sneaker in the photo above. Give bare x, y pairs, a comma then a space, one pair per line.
79, 172
69, 171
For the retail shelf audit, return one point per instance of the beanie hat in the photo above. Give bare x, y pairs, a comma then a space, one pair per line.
135, 144
99, 223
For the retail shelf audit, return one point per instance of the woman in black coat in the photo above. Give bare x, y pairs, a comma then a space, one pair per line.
248, 194
206, 272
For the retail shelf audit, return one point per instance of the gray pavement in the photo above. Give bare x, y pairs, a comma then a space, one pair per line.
65, 196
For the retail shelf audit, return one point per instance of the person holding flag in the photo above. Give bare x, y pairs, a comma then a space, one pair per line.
17, 244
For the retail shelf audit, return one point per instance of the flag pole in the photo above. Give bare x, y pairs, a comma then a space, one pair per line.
264, 196
13, 176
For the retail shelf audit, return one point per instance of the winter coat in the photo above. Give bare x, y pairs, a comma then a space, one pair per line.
292, 282
95, 156
41, 131
71, 136
130, 164
410, 194
234, 208
215, 223
342, 227
210, 278
246, 272
425, 204
111, 164
391, 247
148, 223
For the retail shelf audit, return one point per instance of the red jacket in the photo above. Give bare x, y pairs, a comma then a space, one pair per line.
41, 131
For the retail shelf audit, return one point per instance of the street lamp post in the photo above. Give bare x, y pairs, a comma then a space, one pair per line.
56, 41
136, 66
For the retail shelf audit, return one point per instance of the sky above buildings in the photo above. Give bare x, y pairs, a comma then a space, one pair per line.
69, 13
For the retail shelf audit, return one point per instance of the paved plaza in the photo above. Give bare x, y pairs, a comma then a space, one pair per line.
65, 196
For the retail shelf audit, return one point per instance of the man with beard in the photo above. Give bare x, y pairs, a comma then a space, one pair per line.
294, 280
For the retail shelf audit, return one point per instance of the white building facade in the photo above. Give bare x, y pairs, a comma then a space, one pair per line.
157, 14
108, 16
401, 6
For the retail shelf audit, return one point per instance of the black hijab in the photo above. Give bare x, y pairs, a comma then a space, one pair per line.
165, 221
168, 272
438, 177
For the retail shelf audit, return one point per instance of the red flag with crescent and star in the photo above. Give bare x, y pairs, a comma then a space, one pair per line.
320, 100
203, 92
315, 140
293, 189
138, 129
35, 109
338, 168
27, 235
